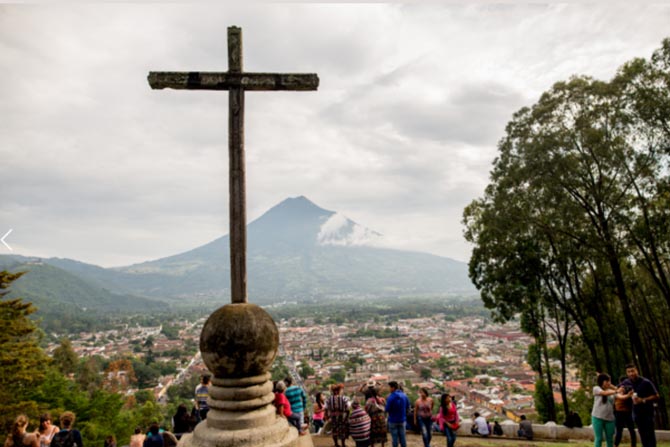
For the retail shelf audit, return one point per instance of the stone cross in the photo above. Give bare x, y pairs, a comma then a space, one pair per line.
236, 82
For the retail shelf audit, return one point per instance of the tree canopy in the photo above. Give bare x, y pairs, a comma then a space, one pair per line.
573, 231
32, 383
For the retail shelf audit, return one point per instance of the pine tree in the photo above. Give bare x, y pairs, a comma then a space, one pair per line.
23, 363
65, 359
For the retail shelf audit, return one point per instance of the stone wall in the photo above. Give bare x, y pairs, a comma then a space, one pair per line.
551, 430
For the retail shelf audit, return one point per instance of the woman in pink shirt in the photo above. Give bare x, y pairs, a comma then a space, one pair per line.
448, 419
319, 412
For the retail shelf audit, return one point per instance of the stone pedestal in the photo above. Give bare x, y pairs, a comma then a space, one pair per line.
239, 343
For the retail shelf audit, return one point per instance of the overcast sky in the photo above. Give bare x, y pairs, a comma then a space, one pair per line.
399, 137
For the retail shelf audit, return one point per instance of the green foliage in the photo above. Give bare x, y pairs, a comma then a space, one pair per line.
305, 370
147, 376
381, 310
184, 391
443, 363
170, 331
23, 364
582, 403
386, 332
144, 396
64, 357
572, 229
68, 304
339, 376
279, 370
31, 383
543, 397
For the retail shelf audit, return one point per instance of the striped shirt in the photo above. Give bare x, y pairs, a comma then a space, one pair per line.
297, 398
359, 425
201, 395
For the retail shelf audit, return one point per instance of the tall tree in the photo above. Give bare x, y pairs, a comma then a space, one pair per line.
23, 364
64, 357
575, 218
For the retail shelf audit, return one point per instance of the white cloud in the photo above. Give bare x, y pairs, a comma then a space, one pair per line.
338, 230
400, 135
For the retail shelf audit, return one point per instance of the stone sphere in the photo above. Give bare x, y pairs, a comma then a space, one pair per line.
239, 340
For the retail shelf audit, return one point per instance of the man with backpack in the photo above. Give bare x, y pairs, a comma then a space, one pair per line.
67, 436
154, 437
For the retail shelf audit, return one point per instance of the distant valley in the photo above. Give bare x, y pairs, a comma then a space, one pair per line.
297, 251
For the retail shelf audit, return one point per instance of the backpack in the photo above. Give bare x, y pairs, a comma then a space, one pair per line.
63, 438
153, 440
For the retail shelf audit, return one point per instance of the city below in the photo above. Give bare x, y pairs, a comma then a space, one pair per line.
482, 363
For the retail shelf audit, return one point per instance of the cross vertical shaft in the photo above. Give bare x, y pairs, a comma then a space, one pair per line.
236, 82
237, 179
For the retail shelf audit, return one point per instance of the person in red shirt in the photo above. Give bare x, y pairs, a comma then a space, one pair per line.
284, 407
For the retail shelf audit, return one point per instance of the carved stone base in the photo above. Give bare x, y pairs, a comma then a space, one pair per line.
242, 414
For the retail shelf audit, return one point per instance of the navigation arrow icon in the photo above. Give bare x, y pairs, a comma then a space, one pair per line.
2, 239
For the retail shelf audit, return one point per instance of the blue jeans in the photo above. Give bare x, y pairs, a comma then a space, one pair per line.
294, 420
451, 436
397, 430
425, 424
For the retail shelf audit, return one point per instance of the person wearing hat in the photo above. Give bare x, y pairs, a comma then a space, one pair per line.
368, 387
375, 406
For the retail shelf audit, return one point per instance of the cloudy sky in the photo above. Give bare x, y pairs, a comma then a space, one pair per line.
399, 137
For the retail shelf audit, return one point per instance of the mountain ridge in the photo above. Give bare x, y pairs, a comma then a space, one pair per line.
295, 251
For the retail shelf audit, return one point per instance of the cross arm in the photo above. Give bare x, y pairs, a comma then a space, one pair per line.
225, 81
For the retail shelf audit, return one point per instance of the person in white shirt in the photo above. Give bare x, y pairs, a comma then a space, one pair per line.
480, 426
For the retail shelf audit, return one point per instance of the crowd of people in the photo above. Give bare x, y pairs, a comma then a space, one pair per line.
369, 421
48, 434
626, 405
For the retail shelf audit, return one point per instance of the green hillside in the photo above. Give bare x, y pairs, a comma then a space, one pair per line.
67, 302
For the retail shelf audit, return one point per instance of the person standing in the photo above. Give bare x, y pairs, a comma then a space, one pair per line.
368, 387
181, 421
448, 419
318, 412
201, 395
359, 425
623, 413
18, 437
602, 414
644, 395
297, 398
284, 407
375, 406
397, 406
154, 437
337, 412
423, 414
169, 439
46, 430
137, 438
67, 436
